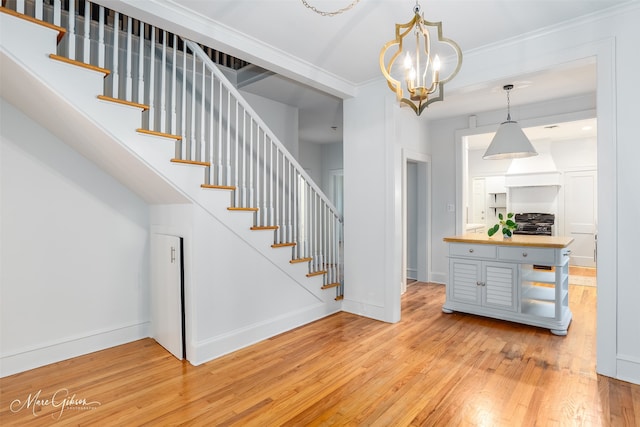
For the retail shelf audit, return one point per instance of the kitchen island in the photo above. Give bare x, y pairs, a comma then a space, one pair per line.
522, 279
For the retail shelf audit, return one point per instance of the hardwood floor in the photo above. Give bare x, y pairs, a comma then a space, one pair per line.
430, 369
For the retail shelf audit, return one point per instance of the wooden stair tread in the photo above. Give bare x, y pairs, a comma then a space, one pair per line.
219, 187
123, 102
283, 245
264, 227
79, 64
243, 209
61, 31
191, 162
317, 273
295, 261
331, 285
160, 134
339, 298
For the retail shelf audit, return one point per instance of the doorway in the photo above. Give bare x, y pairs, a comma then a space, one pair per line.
167, 294
416, 218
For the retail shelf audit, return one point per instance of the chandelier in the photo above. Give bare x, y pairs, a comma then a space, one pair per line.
415, 70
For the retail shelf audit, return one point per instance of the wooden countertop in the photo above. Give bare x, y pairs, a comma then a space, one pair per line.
516, 240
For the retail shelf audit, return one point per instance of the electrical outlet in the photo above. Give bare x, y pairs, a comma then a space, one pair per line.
451, 208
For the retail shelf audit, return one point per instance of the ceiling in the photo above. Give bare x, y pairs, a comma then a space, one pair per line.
337, 54
577, 131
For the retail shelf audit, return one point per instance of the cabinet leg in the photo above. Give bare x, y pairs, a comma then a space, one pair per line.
446, 310
560, 332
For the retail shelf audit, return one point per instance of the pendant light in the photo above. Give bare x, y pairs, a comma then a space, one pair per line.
509, 142
419, 61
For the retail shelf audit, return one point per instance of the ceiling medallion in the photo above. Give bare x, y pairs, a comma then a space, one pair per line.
414, 71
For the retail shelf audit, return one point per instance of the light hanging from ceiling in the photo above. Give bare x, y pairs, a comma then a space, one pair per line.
509, 142
414, 71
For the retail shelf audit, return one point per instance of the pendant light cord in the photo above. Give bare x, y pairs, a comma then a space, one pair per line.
508, 89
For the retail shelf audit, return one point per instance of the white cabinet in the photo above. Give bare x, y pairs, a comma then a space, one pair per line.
483, 283
501, 281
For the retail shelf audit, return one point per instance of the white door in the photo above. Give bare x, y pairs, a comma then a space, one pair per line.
581, 216
166, 293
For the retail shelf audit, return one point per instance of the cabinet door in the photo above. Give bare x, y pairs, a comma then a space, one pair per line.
465, 276
499, 289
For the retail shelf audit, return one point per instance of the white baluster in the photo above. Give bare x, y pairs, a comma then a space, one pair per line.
57, 12
141, 63
295, 211
227, 166
219, 142
203, 113
331, 261
192, 131
174, 89
235, 164
86, 41
290, 235
265, 180
212, 115
152, 79
115, 81
314, 230
252, 185
276, 204
244, 158
308, 229
38, 11
20, 7
270, 163
258, 184
163, 84
128, 76
101, 45
183, 111
71, 31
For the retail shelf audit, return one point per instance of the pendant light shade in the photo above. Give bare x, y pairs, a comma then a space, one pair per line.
509, 142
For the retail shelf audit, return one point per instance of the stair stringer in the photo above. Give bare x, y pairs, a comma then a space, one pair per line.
38, 85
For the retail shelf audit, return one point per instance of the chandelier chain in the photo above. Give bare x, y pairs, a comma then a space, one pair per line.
337, 12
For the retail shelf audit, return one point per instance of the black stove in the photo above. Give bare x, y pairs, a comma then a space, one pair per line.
540, 224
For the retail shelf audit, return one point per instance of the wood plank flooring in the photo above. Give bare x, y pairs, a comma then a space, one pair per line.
430, 369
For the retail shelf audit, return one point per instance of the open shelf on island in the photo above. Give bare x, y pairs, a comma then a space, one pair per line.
538, 276
539, 308
539, 293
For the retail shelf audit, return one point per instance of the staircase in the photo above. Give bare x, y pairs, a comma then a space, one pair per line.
167, 122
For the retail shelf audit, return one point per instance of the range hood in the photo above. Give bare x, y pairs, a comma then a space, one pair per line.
534, 171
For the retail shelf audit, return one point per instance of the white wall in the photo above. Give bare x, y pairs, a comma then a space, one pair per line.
612, 39
310, 158
282, 119
74, 262
376, 132
321, 161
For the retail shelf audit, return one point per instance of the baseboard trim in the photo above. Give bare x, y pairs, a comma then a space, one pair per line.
628, 369
47, 353
439, 278
367, 310
220, 345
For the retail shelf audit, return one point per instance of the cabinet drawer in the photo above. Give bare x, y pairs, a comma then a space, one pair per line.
527, 255
469, 250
